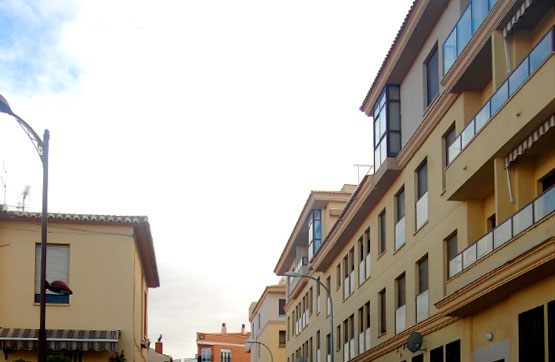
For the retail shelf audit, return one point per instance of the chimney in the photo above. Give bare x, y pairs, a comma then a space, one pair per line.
224, 329
158, 347
243, 329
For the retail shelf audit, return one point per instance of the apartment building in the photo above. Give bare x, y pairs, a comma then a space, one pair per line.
223, 347
109, 263
451, 240
267, 318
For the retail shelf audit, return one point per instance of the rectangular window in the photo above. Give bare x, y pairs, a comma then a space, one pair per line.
400, 218
281, 307
453, 351
436, 354
206, 355
367, 257
346, 339
422, 194
57, 268
401, 311
338, 338
352, 336
452, 149
422, 179
318, 297
422, 299
328, 285
346, 284
360, 321
367, 325
432, 76
328, 346
361, 268
318, 346
381, 230
310, 297
314, 222
454, 264
338, 277
401, 292
531, 335
419, 358
225, 355
423, 275
382, 311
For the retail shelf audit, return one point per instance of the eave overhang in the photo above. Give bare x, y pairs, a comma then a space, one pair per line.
316, 199
364, 199
276, 289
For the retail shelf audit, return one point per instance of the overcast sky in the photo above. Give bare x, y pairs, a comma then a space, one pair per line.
214, 118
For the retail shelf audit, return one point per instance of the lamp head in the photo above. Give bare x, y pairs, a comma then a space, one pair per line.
292, 274
5, 106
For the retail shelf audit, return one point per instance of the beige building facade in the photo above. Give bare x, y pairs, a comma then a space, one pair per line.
451, 240
109, 263
268, 329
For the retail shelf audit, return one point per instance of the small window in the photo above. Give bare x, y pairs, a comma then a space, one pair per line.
383, 311
281, 307
450, 138
400, 203
453, 351
382, 228
57, 268
281, 339
491, 223
401, 291
419, 358
225, 355
338, 277
432, 76
422, 179
423, 275
531, 335
452, 247
548, 181
436, 354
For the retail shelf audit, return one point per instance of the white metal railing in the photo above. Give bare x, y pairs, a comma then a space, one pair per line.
529, 215
422, 211
400, 233
400, 319
367, 338
422, 306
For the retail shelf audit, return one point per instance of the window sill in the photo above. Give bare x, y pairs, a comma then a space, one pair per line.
382, 334
53, 304
401, 247
380, 254
422, 227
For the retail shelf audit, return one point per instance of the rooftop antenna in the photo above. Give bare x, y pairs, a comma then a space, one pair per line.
359, 165
4, 179
24, 194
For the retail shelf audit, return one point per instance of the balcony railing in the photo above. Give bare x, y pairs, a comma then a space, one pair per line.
400, 319
523, 219
535, 58
470, 20
422, 306
301, 267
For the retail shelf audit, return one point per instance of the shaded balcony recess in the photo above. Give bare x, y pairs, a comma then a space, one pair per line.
479, 72
541, 52
536, 211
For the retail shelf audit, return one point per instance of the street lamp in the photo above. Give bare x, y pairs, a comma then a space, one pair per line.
299, 275
269, 351
42, 149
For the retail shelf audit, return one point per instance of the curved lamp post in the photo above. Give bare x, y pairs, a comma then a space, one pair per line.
41, 145
293, 274
269, 351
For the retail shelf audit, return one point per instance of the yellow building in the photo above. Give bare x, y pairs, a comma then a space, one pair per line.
451, 240
109, 263
267, 318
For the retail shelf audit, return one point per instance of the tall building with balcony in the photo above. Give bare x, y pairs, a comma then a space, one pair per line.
267, 318
452, 238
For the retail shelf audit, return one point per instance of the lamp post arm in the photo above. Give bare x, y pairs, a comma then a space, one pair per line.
269, 351
33, 136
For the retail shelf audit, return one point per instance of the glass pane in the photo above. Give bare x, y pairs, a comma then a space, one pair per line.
469, 256
317, 229
382, 123
422, 306
400, 233
454, 150
464, 30
544, 205
421, 211
480, 9
382, 99
449, 51
316, 214
491, 3
467, 134
394, 93
499, 98
317, 244
518, 77
377, 156
484, 246
383, 151
482, 117
432, 77
541, 51
400, 319
502, 234
455, 265
367, 338
522, 220
394, 116
395, 143
377, 131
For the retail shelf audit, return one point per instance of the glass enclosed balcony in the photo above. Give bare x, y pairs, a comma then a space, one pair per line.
525, 69
529, 215
387, 124
314, 221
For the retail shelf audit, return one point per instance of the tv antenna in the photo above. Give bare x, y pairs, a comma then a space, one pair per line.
24, 194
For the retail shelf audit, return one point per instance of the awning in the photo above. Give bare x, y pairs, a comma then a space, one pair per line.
529, 141
60, 339
516, 17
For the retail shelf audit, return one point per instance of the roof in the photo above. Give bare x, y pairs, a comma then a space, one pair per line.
140, 224
276, 289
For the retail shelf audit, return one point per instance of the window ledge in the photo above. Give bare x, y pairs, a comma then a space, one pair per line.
401, 247
53, 304
380, 254
422, 227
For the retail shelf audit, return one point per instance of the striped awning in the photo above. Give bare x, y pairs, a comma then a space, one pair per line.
516, 17
60, 339
529, 141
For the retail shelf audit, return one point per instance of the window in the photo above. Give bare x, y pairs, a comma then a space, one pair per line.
422, 298
367, 261
338, 338
360, 321
453, 351
401, 311
346, 340
400, 218
57, 268
288, 327
531, 335
419, 358
382, 236
436, 354
453, 266
281, 339
328, 347
423, 275
318, 297
551, 329
225, 355
432, 76
382, 312
328, 285
281, 307
346, 284
318, 346
387, 124
451, 148
338, 277
314, 232
206, 355
422, 194
310, 297
367, 331
361, 271
490, 223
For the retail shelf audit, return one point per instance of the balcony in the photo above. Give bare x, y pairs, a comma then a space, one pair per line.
524, 219
292, 282
526, 68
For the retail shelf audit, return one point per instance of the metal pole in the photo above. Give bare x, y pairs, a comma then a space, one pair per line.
269, 351
44, 237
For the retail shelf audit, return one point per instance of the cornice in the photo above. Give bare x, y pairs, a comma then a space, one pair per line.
502, 275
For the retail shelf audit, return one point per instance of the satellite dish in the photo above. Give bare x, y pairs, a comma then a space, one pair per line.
414, 343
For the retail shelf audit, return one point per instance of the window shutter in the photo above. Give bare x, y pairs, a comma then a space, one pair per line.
57, 264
